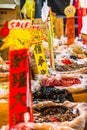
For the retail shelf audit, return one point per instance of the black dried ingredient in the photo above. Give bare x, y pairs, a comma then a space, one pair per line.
73, 57
52, 94
54, 113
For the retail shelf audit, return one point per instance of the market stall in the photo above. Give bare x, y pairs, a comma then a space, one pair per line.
43, 84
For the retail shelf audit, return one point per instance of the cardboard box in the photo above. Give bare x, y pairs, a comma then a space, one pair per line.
6, 1
8, 12
38, 21
59, 27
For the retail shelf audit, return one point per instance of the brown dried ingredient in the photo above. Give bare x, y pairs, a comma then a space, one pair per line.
54, 113
70, 67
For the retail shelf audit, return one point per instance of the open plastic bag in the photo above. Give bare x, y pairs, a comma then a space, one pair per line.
77, 123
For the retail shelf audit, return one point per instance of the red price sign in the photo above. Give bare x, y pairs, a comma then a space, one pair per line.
18, 85
70, 30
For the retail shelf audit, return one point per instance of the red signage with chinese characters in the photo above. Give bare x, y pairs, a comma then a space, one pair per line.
70, 30
18, 85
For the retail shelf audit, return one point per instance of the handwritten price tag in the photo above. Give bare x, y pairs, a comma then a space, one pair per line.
70, 11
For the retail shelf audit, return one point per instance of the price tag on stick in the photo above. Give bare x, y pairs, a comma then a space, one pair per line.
40, 58
70, 24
